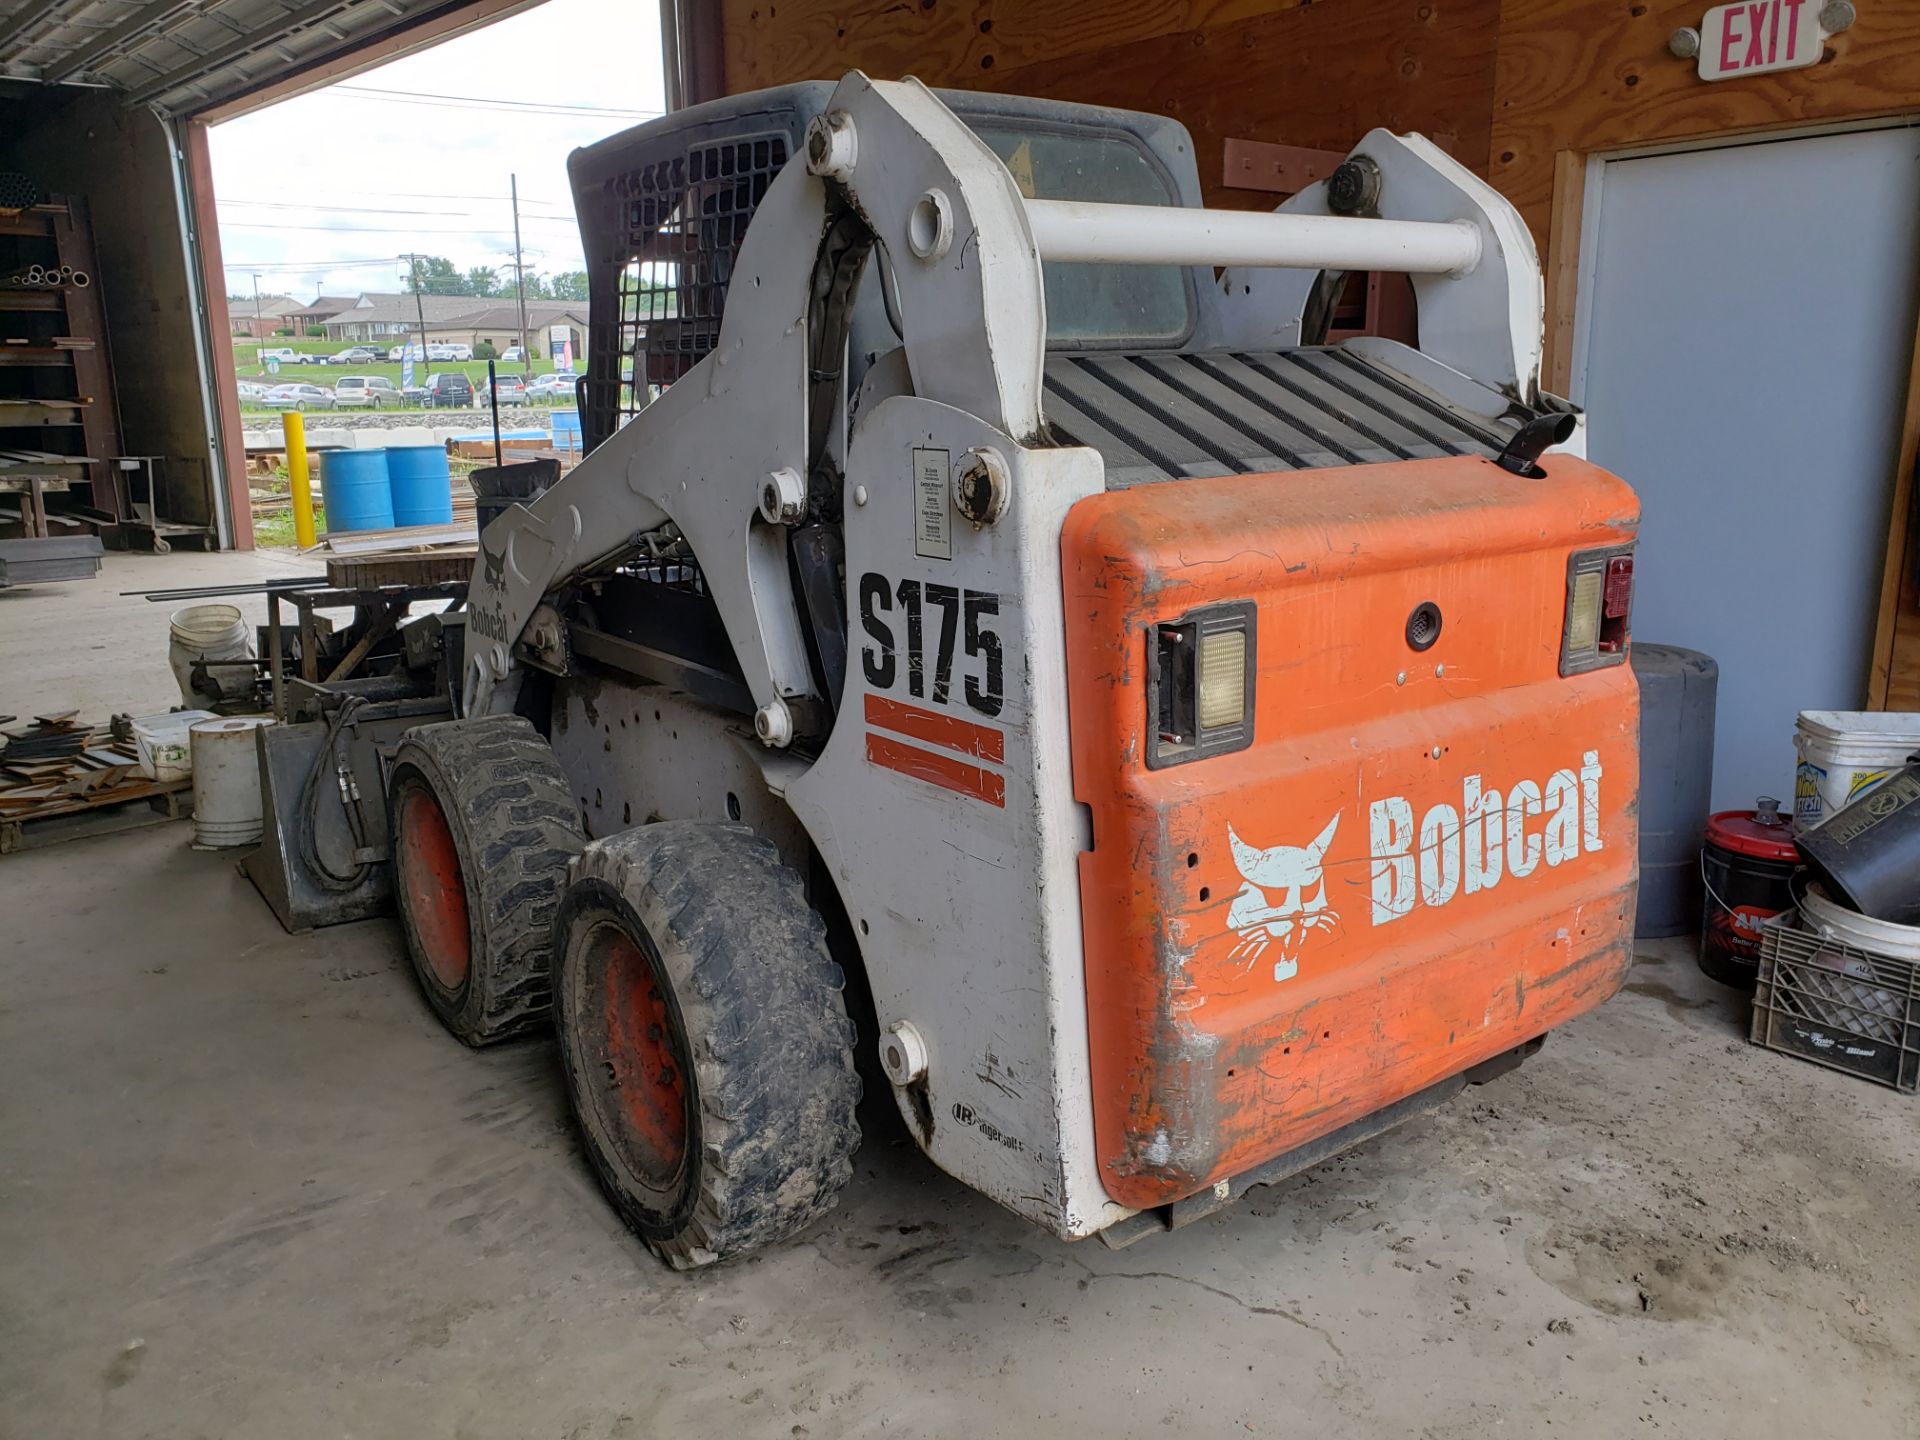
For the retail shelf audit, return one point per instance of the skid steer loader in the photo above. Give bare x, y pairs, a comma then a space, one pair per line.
1209, 747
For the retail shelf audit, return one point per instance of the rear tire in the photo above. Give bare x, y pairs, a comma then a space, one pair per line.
483, 825
706, 1043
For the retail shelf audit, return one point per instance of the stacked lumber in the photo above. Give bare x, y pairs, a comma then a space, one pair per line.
60, 764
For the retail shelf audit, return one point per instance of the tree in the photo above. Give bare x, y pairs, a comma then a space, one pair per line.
483, 280
569, 285
435, 275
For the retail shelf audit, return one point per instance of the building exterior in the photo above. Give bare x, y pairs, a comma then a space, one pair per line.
260, 319
457, 319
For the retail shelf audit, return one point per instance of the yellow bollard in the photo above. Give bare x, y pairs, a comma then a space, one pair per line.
295, 426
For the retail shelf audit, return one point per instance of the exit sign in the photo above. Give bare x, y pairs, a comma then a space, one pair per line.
1753, 37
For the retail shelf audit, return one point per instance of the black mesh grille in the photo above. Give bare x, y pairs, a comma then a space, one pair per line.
684, 219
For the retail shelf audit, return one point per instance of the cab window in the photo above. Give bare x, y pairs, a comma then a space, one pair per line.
1097, 305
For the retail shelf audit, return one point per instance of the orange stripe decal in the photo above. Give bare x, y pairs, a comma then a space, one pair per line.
941, 770
931, 726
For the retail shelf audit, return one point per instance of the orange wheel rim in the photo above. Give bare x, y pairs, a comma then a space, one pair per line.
435, 891
644, 1056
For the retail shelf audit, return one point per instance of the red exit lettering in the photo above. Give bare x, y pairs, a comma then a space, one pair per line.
1758, 35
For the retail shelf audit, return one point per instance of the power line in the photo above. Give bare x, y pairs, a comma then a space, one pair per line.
364, 209
476, 231
445, 195
481, 102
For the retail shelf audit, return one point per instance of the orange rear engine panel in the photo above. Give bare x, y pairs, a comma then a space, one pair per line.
1424, 857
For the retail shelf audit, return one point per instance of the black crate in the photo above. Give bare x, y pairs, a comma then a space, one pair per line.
1840, 1006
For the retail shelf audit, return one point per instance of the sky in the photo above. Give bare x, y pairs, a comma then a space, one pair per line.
321, 194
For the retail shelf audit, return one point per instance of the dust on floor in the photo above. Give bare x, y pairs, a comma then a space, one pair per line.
248, 1188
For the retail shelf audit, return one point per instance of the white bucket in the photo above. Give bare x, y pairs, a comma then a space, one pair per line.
206, 632
163, 744
1835, 922
1844, 754
226, 783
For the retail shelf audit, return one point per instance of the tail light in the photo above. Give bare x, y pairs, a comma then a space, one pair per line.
1200, 671
1599, 609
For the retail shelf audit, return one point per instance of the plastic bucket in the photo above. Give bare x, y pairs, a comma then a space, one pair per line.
1836, 922
205, 632
226, 782
422, 484
1747, 869
1868, 853
1844, 754
354, 489
164, 743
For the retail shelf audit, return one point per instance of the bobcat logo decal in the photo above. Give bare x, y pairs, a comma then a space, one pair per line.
1283, 901
494, 567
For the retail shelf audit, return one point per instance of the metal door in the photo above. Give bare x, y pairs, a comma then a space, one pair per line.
1746, 327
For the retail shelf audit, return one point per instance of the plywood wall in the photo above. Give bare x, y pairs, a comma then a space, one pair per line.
1316, 74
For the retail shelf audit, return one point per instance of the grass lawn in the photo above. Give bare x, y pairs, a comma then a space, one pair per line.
246, 357
276, 529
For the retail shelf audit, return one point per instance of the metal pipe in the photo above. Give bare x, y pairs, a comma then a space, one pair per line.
1171, 235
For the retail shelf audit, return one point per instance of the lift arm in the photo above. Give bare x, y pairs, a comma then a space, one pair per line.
723, 454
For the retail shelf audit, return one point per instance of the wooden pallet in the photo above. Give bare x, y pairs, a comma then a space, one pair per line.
61, 779
127, 806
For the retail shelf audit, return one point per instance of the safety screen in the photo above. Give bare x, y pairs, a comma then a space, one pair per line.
684, 219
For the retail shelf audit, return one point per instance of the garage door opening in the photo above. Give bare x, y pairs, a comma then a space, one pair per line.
383, 237
226, 151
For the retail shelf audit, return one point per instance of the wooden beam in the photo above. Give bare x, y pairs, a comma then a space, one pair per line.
1275, 169
1562, 264
1893, 682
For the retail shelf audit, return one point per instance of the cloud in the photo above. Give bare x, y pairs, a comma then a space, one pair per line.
324, 192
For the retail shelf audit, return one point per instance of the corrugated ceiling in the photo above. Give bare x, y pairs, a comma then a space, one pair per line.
185, 55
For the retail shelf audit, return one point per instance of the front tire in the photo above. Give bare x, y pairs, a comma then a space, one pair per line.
706, 1044
483, 825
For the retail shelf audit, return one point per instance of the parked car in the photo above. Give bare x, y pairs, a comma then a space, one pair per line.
371, 391
557, 386
512, 388
403, 352
513, 355
358, 355
300, 397
251, 392
285, 354
446, 351
446, 388
414, 395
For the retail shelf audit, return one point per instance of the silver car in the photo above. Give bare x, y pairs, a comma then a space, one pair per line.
353, 392
300, 397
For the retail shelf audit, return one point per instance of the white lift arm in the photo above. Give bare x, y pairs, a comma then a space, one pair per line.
723, 454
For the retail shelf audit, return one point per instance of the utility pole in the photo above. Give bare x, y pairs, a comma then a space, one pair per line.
418, 276
520, 280
258, 337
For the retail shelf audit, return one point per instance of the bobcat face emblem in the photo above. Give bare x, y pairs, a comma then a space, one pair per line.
1283, 901
494, 567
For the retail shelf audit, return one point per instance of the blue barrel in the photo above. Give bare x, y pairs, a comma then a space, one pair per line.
566, 428
354, 490
422, 484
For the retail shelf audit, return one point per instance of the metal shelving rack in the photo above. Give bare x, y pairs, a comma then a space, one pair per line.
59, 423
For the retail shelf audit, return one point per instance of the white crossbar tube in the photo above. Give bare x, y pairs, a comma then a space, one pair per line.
1173, 235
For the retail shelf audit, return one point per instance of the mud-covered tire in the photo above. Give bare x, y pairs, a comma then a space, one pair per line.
706, 1043
483, 826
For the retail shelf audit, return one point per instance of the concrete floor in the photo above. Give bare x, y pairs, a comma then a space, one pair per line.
249, 1189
